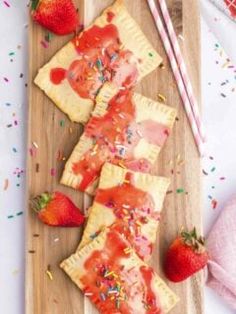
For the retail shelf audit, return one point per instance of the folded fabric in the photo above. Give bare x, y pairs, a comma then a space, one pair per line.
222, 248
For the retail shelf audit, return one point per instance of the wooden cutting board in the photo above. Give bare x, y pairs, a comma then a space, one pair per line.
51, 131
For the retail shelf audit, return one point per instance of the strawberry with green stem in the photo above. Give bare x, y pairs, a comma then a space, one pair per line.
57, 16
185, 256
57, 210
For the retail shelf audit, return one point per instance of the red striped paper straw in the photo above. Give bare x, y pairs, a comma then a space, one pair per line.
182, 67
177, 75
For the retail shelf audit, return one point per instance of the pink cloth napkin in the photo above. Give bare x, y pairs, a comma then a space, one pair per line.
221, 244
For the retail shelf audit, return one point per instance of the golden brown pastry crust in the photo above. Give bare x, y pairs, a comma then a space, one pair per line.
132, 39
75, 267
101, 216
145, 109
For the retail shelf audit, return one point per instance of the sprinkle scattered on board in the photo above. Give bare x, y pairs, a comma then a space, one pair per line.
44, 44
162, 66
62, 123
53, 172
35, 145
162, 98
49, 273
37, 167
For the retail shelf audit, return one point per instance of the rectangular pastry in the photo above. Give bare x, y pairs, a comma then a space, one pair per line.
116, 280
126, 129
113, 49
132, 203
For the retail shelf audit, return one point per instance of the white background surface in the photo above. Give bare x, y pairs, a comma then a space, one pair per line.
219, 117
218, 114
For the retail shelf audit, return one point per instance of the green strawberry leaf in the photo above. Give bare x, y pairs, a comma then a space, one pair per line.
34, 4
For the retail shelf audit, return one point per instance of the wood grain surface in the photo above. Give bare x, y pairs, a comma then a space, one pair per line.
51, 245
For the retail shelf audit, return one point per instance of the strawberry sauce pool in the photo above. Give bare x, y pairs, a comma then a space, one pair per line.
133, 208
115, 136
113, 287
101, 58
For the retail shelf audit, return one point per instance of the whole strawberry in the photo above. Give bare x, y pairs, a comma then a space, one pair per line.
186, 256
58, 16
57, 210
